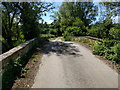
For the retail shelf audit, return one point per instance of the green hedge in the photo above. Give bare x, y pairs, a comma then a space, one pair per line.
108, 48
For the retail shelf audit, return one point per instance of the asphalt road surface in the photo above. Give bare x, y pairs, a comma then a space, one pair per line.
69, 65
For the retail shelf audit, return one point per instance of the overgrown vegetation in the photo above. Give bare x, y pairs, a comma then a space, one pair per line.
15, 68
110, 49
20, 22
79, 19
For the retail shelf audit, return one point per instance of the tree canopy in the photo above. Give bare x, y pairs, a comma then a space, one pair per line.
20, 21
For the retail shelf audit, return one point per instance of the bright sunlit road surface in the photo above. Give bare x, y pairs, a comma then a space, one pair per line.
69, 65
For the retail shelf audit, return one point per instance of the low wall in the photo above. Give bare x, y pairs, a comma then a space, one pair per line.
90, 37
93, 38
16, 52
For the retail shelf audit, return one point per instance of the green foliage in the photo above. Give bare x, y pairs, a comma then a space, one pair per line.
113, 53
34, 59
76, 27
14, 68
72, 30
86, 11
78, 22
18, 42
83, 40
20, 21
110, 8
48, 35
94, 31
101, 30
98, 48
29, 20
74, 16
77, 31
79, 27
13, 71
67, 36
115, 32
24, 70
116, 56
53, 32
108, 48
109, 43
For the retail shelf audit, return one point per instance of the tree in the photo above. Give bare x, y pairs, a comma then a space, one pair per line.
8, 21
111, 9
79, 14
29, 20
86, 11
20, 21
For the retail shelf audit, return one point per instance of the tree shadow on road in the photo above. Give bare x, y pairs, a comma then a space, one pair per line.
61, 48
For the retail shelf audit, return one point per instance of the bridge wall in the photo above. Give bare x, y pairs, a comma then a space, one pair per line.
16, 52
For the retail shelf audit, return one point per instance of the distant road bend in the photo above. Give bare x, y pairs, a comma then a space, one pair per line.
69, 65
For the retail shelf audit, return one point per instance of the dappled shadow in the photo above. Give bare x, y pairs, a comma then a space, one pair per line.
61, 48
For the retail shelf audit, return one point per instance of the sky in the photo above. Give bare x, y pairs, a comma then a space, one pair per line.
49, 20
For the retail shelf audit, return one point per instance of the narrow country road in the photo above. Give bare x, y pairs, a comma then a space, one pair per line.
69, 65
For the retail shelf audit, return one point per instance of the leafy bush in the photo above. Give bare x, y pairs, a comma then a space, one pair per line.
53, 31
115, 33
113, 53
98, 48
109, 43
14, 68
44, 30
48, 35
67, 36
74, 30
108, 53
101, 30
108, 48
116, 55
93, 31
18, 42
